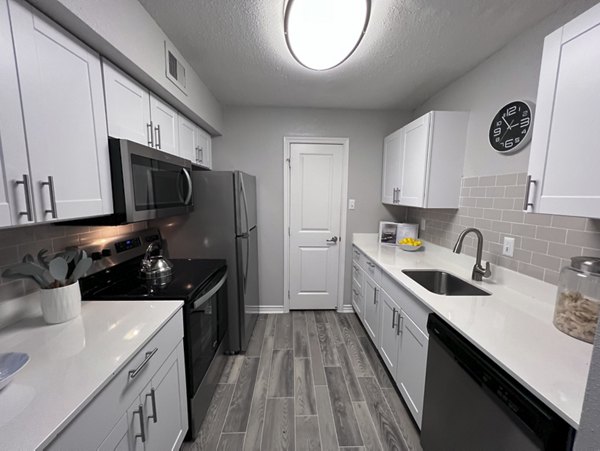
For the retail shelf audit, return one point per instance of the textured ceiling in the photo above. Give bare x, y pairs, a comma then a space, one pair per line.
412, 48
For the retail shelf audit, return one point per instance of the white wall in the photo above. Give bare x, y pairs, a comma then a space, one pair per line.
124, 32
510, 74
253, 142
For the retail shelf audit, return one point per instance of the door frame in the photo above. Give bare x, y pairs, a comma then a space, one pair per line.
287, 142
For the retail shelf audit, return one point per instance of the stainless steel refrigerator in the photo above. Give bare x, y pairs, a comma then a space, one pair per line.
223, 225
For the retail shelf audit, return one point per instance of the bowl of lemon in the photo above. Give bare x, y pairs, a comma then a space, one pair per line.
410, 244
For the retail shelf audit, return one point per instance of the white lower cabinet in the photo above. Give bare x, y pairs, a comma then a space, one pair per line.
397, 323
144, 407
358, 296
371, 315
412, 365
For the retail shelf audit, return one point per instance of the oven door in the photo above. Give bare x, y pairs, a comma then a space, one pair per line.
207, 324
155, 184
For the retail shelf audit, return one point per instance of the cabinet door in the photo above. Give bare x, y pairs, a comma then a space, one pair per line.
412, 363
564, 158
188, 139
164, 121
393, 150
389, 341
371, 315
64, 115
414, 162
127, 106
166, 405
14, 169
204, 151
118, 439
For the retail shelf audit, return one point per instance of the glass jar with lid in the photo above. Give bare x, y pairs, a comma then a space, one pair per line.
578, 298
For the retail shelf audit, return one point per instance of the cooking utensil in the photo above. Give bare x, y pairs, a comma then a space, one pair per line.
43, 259
58, 269
81, 268
69, 254
27, 258
27, 270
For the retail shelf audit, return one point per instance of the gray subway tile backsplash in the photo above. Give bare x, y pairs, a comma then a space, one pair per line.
543, 243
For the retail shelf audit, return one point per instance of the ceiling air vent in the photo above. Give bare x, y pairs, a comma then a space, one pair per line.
176, 67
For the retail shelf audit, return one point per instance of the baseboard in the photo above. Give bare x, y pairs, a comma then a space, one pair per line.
268, 309
346, 309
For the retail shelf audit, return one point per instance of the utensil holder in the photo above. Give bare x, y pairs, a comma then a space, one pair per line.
61, 304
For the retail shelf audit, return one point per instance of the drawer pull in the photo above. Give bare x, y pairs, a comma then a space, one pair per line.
142, 434
393, 318
399, 324
152, 396
355, 292
134, 373
375, 295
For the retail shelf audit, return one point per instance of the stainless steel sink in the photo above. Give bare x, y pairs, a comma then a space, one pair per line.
441, 282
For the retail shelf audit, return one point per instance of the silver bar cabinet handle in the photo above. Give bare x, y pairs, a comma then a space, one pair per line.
25, 183
395, 191
200, 154
375, 296
399, 324
50, 184
142, 434
152, 396
134, 373
158, 140
526, 203
150, 134
393, 318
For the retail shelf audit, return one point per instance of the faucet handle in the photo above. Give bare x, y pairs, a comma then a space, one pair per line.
488, 271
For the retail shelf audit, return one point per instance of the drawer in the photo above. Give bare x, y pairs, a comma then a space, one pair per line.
409, 303
357, 289
358, 276
357, 257
102, 413
372, 270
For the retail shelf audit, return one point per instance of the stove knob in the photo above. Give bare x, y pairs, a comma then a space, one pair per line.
106, 252
96, 256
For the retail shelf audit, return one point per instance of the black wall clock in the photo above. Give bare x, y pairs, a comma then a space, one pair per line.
511, 128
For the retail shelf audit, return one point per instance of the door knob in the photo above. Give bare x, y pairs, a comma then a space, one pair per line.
333, 240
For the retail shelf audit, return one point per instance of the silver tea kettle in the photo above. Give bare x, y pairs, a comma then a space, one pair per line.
154, 267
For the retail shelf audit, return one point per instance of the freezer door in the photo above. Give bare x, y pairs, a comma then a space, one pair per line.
245, 202
247, 278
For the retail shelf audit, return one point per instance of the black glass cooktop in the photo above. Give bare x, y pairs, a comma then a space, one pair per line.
122, 282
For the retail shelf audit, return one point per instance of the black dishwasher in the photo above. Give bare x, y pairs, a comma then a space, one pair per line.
471, 404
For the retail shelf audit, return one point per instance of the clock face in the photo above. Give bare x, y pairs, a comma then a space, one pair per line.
510, 130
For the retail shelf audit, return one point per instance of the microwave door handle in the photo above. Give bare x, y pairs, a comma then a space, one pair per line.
199, 302
188, 198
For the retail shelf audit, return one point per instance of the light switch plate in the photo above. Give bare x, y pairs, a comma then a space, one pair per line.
508, 248
351, 204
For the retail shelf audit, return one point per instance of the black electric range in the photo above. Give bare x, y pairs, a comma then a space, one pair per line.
201, 284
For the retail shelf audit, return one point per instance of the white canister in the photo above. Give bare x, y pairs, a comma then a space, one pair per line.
61, 304
405, 230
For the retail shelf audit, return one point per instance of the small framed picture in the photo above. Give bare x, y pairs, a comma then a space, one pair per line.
388, 232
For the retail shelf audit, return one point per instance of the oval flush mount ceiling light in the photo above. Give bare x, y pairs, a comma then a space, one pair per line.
322, 34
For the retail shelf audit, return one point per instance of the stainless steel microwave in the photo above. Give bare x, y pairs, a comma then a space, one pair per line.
148, 183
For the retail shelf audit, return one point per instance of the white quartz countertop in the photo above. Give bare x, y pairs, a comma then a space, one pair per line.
69, 364
513, 326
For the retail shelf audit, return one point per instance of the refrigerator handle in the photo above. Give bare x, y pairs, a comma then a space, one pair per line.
247, 264
245, 203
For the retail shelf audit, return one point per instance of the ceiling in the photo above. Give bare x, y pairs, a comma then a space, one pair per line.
412, 49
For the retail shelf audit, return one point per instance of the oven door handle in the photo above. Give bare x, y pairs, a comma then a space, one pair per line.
199, 302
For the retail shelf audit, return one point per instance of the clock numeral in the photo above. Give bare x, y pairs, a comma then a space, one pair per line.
508, 143
497, 131
525, 122
512, 110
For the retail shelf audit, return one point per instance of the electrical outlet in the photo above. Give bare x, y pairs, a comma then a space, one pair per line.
423, 226
508, 248
351, 204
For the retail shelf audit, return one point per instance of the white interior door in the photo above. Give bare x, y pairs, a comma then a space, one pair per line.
315, 224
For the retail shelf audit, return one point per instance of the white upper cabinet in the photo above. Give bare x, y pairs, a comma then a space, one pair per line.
194, 143
423, 161
393, 149
16, 204
127, 107
64, 115
565, 158
164, 123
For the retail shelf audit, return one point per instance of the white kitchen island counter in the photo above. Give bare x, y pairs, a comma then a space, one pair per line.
513, 326
69, 364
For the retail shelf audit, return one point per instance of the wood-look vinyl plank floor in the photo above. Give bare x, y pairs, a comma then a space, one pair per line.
311, 381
